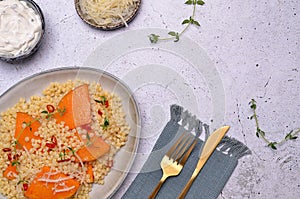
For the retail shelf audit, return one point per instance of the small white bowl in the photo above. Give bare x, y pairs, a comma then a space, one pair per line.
30, 51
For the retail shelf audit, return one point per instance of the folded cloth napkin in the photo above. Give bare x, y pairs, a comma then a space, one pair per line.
213, 176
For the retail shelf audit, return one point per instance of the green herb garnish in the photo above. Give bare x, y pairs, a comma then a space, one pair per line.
72, 150
62, 155
105, 124
15, 162
27, 124
292, 135
102, 101
48, 115
175, 35
15, 143
22, 181
62, 111
89, 142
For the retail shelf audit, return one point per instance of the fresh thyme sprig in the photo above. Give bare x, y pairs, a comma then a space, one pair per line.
292, 135
175, 35
15, 162
105, 123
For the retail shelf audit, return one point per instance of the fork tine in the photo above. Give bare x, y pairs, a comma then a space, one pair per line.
186, 143
173, 148
180, 148
188, 152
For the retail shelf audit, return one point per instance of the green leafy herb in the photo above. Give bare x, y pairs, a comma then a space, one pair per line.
72, 150
21, 181
62, 111
200, 2
15, 143
89, 142
191, 21
102, 101
175, 35
15, 163
105, 124
153, 38
88, 136
62, 154
292, 135
273, 145
51, 111
48, 115
189, 2
25, 125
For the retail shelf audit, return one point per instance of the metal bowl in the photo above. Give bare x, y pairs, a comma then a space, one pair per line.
13, 58
110, 26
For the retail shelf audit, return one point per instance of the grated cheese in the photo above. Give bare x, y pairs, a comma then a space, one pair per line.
83, 168
54, 180
104, 12
63, 190
28, 154
12, 174
51, 173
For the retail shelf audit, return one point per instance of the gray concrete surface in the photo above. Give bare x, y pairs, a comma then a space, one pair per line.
254, 46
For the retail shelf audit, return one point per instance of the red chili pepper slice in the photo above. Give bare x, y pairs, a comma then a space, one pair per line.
50, 145
6, 150
100, 112
106, 104
16, 156
9, 157
54, 140
50, 108
64, 160
25, 186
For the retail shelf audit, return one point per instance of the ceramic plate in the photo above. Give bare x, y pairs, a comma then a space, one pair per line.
123, 160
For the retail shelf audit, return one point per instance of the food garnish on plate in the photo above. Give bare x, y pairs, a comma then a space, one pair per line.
59, 144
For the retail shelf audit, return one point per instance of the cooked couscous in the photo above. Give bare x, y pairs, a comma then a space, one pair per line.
58, 144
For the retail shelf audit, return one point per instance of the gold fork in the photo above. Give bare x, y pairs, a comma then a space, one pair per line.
174, 160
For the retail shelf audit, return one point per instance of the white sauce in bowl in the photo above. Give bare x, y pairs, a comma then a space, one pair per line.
20, 28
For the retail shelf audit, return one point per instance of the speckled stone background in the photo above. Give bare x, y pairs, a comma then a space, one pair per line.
253, 44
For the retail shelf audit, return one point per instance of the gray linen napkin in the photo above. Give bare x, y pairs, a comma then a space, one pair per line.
212, 178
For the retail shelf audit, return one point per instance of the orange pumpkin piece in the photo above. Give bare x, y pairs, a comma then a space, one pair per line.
53, 186
90, 172
94, 149
76, 108
24, 135
10, 172
65, 107
81, 106
77, 113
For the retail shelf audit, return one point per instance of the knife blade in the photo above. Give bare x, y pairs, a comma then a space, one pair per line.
209, 146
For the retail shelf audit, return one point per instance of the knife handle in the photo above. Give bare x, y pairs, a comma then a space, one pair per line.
192, 178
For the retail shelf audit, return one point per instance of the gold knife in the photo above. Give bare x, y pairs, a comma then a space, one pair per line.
209, 146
